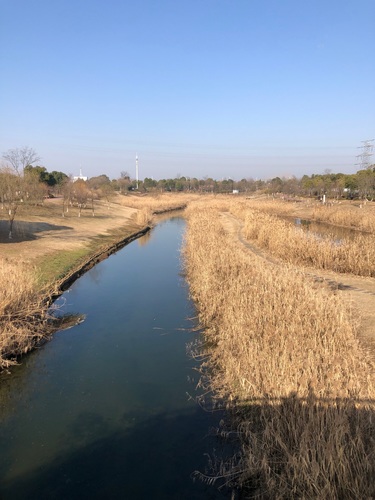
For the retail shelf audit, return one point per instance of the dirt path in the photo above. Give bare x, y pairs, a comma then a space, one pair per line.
357, 291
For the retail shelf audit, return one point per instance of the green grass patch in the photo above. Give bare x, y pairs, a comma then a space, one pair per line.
55, 266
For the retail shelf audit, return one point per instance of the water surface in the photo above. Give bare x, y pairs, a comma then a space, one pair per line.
102, 411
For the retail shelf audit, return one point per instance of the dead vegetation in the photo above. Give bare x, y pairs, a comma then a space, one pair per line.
359, 215
24, 320
158, 203
296, 246
283, 353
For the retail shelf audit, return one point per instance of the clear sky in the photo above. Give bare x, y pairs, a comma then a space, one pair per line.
217, 88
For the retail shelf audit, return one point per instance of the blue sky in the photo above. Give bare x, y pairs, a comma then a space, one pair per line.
217, 88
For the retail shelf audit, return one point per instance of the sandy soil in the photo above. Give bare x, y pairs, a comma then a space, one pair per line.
357, 291
47, 231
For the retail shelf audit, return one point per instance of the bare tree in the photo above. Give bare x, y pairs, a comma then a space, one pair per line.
124, 181
19, 158
11, 194
67, 191
35, 191
80, 194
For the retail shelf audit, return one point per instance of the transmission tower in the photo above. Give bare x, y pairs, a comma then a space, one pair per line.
365, 157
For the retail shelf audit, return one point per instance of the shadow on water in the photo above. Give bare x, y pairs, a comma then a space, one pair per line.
102, 410
125, 463
25, 231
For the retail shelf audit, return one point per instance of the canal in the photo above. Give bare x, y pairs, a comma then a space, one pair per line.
104, 410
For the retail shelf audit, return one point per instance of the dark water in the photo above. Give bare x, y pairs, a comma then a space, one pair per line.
102, 411
323, 230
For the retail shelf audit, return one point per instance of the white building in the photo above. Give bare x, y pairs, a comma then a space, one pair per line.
80, 176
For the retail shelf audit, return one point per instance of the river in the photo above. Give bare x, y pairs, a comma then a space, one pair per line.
103, 410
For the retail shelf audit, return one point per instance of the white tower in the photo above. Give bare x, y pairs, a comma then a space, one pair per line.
136, 169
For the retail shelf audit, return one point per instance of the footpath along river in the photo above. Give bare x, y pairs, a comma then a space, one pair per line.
102, 411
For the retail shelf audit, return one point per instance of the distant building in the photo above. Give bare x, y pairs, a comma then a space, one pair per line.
80, 176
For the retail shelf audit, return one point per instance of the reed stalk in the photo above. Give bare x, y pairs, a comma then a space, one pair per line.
358, 216
24, 319
292, 244
282, 351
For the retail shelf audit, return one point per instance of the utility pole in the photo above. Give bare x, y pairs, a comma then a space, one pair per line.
365, 156
136, 170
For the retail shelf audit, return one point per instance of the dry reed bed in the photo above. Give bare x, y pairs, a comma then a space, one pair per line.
23, 314
275, 205
158, 202
148, 205
357, 216
283, 352
296, 246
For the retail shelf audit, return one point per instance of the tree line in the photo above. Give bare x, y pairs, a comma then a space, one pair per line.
23, 181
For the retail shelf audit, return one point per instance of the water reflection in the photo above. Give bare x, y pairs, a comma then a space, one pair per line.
323, 230
102, 410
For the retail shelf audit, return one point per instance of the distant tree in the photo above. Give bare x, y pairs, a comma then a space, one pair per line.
308, 186
366, 183
99, 181
35, 188
276, 185
39, 172
338, 185
149, 183
179, 185
81, 194
242, 185
351, 183
19, 158
57, 180
101, 187
124, 182
59, 177
11, 187
67, 192
105, 191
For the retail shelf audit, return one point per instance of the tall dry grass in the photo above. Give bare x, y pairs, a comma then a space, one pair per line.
296, 246
275, 206
143, 217
283, 353
160, 202
358, 216
23, 311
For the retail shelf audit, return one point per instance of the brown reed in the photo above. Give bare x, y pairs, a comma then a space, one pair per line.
293, 245
283, 353
358, 216
24, 319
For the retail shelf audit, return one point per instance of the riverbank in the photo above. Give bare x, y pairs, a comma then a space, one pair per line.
282, 350
50, 249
